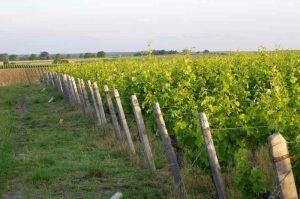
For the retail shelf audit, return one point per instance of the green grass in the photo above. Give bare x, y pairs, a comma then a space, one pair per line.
41, 158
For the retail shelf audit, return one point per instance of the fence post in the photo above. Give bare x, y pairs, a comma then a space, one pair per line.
71, 89
94, 102
63, 86
142, 132
171, 157
112, 114
86, 99
55, 81
282, 166
212, 156
80, 93
59, 88
99, 103
68, 92
51, 80
75, 91
123, 121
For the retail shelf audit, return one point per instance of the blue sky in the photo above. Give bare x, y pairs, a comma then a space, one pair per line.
70, 26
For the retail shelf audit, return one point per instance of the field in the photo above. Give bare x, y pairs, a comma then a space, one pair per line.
20, 75
246, 97
51, 150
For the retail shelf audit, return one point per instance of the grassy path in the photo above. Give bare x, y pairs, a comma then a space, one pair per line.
51, 151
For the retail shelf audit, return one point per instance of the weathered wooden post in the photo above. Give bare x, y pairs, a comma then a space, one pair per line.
142, 133
76, 91
212, 156
71, 89
86, 99
59, 84
64, 88
171, 157
95, 103
80, 93
282, 166
51, 80
99, 103
112, 114
123, 121
55, 81
68, 92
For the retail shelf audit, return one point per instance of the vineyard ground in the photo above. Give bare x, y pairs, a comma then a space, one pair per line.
50, 150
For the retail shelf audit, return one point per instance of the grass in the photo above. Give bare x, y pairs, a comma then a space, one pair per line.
42, 158
53, 151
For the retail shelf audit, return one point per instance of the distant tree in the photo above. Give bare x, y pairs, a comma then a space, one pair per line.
32, 57
89, 55
12, 57
81, 55
141, 53
4, 57
44, 55
68, 56
101, 54
164, 52
57, 57
206, 52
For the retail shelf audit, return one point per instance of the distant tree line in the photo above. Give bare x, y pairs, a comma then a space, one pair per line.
4, 57
99, 54
157, 52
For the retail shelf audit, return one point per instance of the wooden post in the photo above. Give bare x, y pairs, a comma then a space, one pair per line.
51, 80
212, 156
55, 81
68, 91
99, 103
71, 89
80, 93
64, 88
123, 121
86, 99
171, 157
76, 91
112, 114
95, 103
282, 166
60, 88
142, 132
48, 79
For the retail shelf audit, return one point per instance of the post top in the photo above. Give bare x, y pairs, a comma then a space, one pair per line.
106, 89
116, 93
275, 139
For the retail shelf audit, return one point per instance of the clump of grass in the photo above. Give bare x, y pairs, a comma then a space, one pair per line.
47, 160
40, 176
96, 169
7, 161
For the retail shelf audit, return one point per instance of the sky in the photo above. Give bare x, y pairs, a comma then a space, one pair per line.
73, 26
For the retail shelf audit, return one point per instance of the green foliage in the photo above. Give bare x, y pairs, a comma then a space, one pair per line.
101, 54
4, 57
32, 57
238, 90
89, 55
44, 55
13, 57
248, 176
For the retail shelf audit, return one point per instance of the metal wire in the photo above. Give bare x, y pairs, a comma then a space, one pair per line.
276, 190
